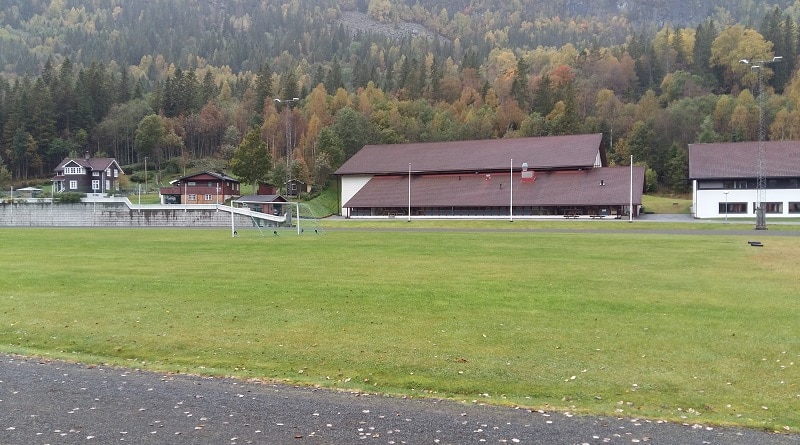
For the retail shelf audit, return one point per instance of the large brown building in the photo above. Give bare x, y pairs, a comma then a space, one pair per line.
551, 176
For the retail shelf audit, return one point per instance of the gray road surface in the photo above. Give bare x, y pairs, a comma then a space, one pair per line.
52, 402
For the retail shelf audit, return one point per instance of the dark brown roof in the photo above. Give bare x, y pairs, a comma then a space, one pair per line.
542, 153
90, 164
551, 188
261, 199
740, 159
204, 176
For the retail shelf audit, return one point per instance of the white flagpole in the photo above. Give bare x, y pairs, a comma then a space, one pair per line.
409, 192
630, 209
233, 229
511, 207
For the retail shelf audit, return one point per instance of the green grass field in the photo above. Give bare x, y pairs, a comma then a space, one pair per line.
690, 328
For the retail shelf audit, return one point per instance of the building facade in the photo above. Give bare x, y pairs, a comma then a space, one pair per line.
557, 176
201, 188
725, 175
87, 175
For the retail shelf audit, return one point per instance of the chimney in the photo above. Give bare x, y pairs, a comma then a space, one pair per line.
86, 155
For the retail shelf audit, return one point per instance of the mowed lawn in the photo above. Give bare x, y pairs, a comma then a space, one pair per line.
693, 328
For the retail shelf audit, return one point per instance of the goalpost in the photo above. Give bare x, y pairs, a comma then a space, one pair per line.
301, 216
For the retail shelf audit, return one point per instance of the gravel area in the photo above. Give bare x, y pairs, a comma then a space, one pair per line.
54, 402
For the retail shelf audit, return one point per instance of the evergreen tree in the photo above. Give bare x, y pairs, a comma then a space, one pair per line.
319, 76
208, 89
705, 34
42, 119
124, 86
289, 88
519, 86
263, 88
436, 81
543, 99
65, 98
334, 79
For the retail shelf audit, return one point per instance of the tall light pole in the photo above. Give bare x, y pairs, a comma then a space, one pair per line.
761, 163
409, 192
511, 204
145, 175
726, 207
288, 130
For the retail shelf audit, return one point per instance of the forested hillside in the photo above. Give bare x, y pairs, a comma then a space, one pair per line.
181, 80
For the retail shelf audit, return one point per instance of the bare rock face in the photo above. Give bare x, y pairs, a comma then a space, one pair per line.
359, 22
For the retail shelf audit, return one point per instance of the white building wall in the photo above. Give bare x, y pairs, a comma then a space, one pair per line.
707, 202
350, 186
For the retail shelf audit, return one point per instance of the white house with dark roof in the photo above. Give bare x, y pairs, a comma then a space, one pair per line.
551, 176
87, 175
724, 179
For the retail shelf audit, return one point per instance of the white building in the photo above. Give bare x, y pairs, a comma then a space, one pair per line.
724, 179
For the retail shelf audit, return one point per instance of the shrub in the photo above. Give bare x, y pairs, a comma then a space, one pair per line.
69, 197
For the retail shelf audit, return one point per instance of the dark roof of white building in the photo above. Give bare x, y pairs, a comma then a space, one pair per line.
731, 160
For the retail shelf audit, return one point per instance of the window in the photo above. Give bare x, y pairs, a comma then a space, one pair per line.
733, 207
208, 197
794, 207
95, 173
95, 184
73, 170
192, 197
108, 184
116, 173
773, 207
73, 185
192, 183
740, 184
770, 207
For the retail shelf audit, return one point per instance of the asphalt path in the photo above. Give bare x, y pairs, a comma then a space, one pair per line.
54, 402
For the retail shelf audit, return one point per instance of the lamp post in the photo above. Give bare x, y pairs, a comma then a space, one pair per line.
761, 180
409, 192
288, 131
145, 175
511, 204
726, 207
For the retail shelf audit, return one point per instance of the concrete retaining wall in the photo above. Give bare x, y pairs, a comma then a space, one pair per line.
89, 214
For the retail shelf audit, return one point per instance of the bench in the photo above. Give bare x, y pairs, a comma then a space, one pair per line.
570, 216
755, 243
597, 216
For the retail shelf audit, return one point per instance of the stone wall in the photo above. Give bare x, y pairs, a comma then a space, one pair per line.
89, 214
